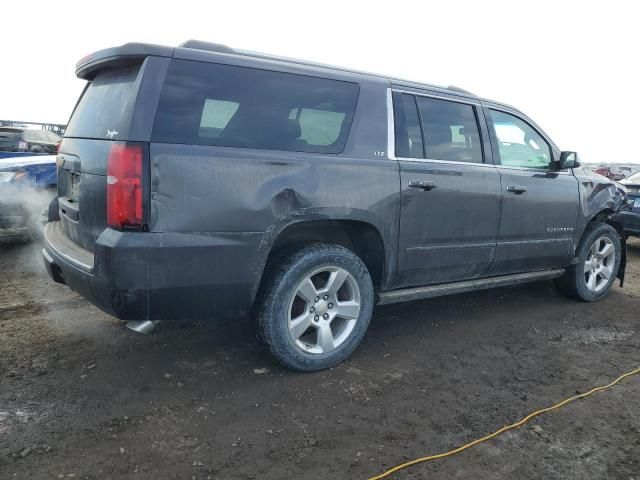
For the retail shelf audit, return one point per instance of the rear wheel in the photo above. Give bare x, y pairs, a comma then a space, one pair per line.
598, 255
315, 306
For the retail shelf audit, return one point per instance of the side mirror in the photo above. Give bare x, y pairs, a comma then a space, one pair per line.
567, 160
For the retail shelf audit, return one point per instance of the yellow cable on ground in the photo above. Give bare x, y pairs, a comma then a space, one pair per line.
402, 466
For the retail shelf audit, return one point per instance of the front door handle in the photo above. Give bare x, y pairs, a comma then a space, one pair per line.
422, 185
517, 189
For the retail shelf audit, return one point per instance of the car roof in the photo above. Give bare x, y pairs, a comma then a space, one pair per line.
213, 52
130, 53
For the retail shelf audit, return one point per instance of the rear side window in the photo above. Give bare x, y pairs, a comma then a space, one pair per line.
407, 127
318, 127
450, 130
229, 106
105, 108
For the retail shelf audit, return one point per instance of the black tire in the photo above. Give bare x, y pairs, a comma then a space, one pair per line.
277, 293
573, 283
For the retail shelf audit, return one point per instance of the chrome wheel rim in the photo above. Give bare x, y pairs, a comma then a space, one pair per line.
599, 264
323, 310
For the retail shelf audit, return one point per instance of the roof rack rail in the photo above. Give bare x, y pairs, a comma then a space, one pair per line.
217, 47
208, 46
461, 90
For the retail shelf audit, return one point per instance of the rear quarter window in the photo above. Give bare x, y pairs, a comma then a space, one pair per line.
224, 105
106, 105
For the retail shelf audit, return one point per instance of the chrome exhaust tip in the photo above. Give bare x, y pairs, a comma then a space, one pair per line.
144, 327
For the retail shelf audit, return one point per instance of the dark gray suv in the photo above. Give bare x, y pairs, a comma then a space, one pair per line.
206, 182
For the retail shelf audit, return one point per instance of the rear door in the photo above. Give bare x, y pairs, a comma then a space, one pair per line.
117, 106
539, 206
450, 191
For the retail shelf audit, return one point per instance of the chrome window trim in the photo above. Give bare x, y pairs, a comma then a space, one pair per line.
447, 162
438, 97
391, 128
535, 170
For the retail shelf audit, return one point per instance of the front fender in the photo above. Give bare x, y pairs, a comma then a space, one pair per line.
599, 196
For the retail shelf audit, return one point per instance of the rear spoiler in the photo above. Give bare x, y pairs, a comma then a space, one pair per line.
126, 54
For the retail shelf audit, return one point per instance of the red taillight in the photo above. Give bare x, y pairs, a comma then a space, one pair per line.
124, 186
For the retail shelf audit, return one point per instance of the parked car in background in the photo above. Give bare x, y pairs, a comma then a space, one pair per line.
205, 182
16, 139
630, 217
624, 171
27, 185
611, 173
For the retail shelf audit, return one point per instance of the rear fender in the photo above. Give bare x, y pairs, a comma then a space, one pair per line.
319, 214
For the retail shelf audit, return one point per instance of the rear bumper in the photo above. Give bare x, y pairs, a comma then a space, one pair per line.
158, 276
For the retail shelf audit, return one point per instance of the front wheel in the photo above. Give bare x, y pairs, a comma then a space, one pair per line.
315, 306
598, 260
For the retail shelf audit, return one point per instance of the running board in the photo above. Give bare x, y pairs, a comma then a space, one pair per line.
419, 293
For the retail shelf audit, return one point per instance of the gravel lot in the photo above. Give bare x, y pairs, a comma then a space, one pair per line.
81, 396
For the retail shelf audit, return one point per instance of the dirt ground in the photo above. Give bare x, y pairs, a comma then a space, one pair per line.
83, 397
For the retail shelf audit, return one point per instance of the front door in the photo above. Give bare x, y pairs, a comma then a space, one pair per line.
539, 206
450, 198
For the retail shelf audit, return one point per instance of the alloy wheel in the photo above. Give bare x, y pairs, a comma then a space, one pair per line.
599, 264
323, 310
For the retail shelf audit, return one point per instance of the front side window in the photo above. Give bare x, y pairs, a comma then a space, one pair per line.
450, 130
519, 144
229, 106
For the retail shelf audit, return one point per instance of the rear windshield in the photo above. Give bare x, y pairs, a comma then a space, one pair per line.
10, 132
224, 105
104, 110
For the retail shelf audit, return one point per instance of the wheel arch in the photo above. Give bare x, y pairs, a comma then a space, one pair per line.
363, 236
607, 215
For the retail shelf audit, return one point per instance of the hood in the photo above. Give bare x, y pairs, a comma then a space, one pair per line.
628, 182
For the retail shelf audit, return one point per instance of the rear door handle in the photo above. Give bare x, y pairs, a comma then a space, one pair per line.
517, 189
426, 186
